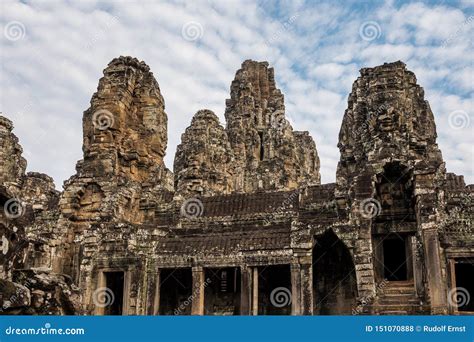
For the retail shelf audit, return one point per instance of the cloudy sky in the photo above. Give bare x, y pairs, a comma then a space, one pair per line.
53, 54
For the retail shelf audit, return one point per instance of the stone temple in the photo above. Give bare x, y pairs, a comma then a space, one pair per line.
243, 225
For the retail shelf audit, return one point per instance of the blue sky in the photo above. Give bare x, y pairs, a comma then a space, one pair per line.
53, 53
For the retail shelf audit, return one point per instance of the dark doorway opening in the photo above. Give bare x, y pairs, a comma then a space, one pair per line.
334, 278
395, 258
114, 281
465, 285
274, 290
176, 291
222, 293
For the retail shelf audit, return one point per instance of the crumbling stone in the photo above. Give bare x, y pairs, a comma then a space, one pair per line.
244, 208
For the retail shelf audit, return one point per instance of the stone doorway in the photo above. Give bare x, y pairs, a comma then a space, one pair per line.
464, 275
274, 290
114, 291
334, 278
222, 291
395, 259
175, 291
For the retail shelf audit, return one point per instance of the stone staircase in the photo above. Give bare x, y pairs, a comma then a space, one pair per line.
399, 298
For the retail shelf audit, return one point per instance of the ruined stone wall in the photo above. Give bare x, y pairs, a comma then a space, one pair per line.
388, 125
245, 198
122, 173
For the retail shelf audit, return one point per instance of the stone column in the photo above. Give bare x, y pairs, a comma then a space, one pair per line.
148, 302
156, 299
198, 291
295, 289
255, 291
245, 290
306, 276
433, 268
417, 267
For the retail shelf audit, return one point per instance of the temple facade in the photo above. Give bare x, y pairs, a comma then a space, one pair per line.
243, 225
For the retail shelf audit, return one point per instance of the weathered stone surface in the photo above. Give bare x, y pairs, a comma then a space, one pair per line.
267, 153
12, 164
39, 292
204, 161
244, 212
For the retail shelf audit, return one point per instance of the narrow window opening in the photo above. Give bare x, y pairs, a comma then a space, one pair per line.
262, 151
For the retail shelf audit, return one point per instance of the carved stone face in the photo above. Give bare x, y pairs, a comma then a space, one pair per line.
385, 120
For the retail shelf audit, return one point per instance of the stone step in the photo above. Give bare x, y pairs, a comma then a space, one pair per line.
399, 289
398, 292
398, 307
402, 301
394, 312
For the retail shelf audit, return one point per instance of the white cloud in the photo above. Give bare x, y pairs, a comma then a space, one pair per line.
49, 76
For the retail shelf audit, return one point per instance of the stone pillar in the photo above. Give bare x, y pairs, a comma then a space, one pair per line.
306, 276
436, 289
417, 267
198, 291
245, 290
156, 300
295, 289
152, 291
255, 291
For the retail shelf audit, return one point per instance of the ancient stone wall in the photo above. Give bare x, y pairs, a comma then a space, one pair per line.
244, 208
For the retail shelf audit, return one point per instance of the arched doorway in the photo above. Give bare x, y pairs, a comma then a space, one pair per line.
334, 278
